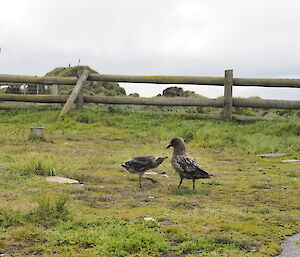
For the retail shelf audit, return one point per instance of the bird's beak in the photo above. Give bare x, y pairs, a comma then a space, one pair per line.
169, 146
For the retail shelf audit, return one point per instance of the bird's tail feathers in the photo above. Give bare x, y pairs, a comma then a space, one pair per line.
152, 180
204, 174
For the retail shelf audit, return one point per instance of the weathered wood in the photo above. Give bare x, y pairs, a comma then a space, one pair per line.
28, 106
265, 103
114, 78
55, 89
293, 83
227, 105
217, 81
34, 98
159, 101
80, 100
12, 84
81, 81
38, 80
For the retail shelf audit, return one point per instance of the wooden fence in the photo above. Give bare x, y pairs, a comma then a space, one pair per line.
226, 103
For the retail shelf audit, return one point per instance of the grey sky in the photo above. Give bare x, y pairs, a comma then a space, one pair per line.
257, 38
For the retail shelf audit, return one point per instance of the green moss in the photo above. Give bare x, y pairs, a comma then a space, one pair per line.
111, 237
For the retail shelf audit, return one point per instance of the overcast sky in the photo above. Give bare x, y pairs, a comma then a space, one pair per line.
257, 38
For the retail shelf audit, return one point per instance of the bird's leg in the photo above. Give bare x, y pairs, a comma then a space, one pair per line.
194, 184
140, 180
180, 182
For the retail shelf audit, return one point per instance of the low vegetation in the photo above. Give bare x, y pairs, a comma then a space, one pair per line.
246, 209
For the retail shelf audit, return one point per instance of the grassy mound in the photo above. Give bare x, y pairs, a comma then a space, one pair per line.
91, 88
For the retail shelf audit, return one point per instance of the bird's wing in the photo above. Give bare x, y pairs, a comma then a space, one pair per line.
190, 167
140, 163
144, 158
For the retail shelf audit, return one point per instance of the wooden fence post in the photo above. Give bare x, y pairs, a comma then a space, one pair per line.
228, 83
55, 89
79, 99
80, 83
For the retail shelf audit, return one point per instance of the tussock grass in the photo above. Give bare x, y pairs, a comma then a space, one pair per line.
34, 165
9, 217
244, 210
50, 210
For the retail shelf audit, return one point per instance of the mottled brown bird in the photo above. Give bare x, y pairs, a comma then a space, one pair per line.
185, 165
141, 164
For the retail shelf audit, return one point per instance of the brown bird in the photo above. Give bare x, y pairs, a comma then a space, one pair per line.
141, 164
185, 165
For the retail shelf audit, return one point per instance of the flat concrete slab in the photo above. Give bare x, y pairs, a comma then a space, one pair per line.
151, 173
271, 154
290, 160
62, 180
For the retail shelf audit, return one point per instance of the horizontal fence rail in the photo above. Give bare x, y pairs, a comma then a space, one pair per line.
227, 102
178, 101
293, 83
265, 103
214, 81
38, 80
34, 98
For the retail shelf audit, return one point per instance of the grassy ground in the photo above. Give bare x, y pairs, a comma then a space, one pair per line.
245, 210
